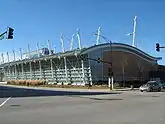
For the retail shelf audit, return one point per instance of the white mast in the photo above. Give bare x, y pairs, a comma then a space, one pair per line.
79, 38
65, 62
98, 35
7, 56
62, 42
134, 31
28, 51
20, 50
71, 42
54, 50
2, 58
38, 52
14, 55
49, 47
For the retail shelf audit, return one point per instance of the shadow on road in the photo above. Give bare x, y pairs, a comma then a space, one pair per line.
93, 98
6, 91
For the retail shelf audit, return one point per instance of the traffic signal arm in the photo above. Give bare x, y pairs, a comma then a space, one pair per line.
3, 33
97, 60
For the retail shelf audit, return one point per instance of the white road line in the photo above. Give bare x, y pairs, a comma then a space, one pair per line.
4, 102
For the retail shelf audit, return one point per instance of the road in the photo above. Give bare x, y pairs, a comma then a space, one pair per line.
29, 106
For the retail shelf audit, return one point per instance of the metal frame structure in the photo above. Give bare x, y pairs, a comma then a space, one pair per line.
67, 66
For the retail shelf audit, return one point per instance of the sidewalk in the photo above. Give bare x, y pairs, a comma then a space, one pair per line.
69, 89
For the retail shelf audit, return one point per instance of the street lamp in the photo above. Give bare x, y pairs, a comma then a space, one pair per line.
110, 64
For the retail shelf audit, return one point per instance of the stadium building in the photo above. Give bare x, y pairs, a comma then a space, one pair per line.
80, 66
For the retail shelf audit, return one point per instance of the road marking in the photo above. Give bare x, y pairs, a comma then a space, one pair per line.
4, 102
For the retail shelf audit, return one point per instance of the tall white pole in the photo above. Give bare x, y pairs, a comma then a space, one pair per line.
28, 51
2, 58
38, 52
20, 50
82, 62
62, 43
7, 56
14, 55
134, 31
54, 50
71, 42
8, 65
49, 47
63, 50
30, 64
51, 61
98, 35
79, 38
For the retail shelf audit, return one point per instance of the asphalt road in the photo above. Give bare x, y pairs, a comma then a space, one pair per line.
29, 106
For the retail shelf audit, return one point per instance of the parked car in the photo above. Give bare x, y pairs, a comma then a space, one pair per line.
163, 84
151, 86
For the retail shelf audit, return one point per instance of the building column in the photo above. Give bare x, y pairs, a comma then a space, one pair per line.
30, 64
13, 72
9, 75
40, 69
83, 72
65, 64
90, 74
51, 64
5, 76
15, 66
22, 71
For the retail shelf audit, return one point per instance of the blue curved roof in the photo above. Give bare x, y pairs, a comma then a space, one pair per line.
122, 47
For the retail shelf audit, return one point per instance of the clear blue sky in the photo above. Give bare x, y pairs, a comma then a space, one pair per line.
41, 20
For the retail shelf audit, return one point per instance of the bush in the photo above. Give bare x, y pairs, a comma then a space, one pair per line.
27, 82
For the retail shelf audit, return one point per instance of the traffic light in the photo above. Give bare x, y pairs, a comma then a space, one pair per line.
157, 47
99, 60
10, 33
83, 57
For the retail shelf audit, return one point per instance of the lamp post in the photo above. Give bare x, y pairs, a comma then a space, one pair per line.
110, 63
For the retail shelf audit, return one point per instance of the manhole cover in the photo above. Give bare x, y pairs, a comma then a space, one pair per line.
155, 96
15, 105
